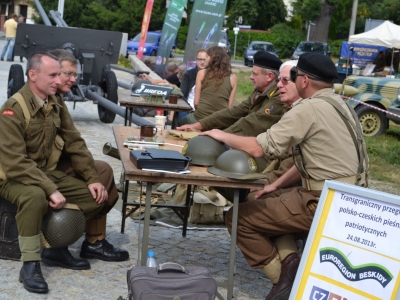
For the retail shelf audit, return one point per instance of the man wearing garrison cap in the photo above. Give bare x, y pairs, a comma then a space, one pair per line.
259, 112
327, 143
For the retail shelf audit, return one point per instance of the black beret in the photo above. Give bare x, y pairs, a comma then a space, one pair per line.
317, 65
266, 60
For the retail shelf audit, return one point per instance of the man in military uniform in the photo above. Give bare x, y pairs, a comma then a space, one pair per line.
259, 112
316, 129
31, 178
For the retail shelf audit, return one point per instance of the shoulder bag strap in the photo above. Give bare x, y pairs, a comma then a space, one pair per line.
25, 110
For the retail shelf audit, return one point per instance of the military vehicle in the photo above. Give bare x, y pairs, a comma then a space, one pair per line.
380, 99
95, 50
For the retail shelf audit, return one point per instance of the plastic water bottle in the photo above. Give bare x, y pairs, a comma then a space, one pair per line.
151, 261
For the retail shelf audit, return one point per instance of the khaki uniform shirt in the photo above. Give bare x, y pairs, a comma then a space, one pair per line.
327, 147
24, 153
251, 117
11, 28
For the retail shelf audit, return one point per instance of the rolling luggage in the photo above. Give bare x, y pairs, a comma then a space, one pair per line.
171, 281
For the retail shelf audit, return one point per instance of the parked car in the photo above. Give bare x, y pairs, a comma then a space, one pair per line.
257, 46
383, 94
225, 42
151, 46
313, 47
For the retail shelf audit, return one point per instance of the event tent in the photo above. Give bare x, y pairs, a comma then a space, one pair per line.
387, 34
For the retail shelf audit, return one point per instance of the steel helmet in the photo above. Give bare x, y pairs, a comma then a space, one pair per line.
236, 164
203, 150
62, 227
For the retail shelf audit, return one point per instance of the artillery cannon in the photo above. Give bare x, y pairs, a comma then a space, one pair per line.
95, 50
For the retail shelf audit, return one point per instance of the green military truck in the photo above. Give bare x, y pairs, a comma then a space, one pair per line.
380, 99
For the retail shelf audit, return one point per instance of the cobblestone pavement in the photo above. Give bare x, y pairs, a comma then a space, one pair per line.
106, 280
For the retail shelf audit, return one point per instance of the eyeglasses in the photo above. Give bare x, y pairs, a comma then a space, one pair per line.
200, 59
70, 74
284, 80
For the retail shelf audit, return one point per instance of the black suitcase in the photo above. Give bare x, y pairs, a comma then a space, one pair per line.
9, 246
171, 281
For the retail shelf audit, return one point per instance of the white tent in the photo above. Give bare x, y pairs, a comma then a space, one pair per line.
387, 34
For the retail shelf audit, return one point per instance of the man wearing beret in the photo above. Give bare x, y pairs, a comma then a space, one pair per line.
327, 144
259, 112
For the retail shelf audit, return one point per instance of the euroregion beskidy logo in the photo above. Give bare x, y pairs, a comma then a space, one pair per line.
320, 294
355, 273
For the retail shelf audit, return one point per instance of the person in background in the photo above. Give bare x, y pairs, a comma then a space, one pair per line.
10, 27
21, 19
379, 62
189, 77
215, 86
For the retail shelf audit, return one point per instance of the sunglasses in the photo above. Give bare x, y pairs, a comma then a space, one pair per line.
293, 74
284, 80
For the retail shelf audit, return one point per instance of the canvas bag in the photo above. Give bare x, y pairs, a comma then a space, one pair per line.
207, 207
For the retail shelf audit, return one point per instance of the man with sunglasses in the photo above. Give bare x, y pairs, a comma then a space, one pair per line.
36, 179
327, 144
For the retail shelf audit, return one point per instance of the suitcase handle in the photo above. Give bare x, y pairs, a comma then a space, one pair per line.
171, 266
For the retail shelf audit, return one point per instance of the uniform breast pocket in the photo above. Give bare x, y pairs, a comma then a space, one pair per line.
34, 136
57, 125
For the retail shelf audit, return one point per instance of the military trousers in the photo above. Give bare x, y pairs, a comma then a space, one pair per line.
33, 203
260, 221
106, 175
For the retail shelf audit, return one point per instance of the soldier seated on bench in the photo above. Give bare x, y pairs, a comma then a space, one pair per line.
36, 129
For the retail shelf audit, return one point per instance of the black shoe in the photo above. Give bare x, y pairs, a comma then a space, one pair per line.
32, 278
63, 258
103, 250
10, 60
2, 59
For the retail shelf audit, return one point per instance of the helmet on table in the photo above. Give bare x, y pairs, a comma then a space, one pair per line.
203, 150
236, 164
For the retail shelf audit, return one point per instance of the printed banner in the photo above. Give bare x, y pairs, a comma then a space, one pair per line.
352, 250
150, 89
204, 28
145, 27
172, 22
360, 55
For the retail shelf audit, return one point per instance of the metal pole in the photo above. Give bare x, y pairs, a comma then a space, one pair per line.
353, 18
234, 49
61, 8
308, 31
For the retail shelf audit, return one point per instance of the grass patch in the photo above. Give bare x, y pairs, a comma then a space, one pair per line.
244, 86
384, 155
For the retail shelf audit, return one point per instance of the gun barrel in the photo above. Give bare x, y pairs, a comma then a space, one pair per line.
107, 104
42, 13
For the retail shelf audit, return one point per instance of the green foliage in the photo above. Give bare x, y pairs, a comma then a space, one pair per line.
286, 38
182, 34
113, 15
124, 62
386, 10
335, 46
260, 14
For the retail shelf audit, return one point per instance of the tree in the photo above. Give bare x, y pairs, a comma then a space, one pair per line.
114, 15
260, 14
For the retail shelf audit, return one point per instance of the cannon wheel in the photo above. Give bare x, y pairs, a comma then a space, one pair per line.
109, 86
373, 122
16, 79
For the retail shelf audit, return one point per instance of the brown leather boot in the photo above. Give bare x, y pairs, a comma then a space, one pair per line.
281, 290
